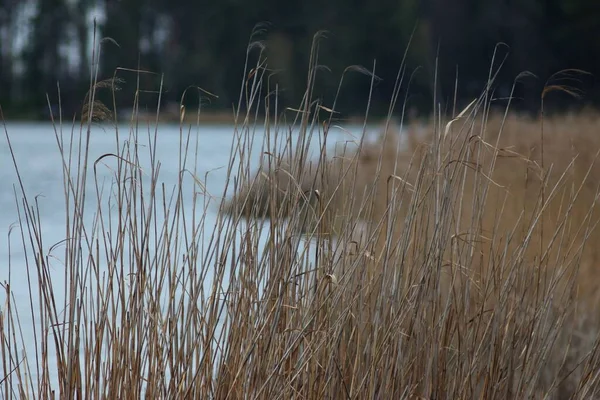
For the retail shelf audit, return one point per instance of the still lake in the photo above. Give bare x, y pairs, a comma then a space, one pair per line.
40, 165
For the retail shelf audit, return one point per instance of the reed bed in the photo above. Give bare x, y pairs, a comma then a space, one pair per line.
454, 259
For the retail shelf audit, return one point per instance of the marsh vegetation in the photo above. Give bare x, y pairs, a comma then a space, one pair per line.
452, 258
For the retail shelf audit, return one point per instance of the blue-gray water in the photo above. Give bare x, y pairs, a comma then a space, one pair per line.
39, 162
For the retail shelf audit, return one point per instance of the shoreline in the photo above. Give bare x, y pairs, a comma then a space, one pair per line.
170, 115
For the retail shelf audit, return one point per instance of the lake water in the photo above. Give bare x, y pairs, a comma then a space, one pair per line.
39, 161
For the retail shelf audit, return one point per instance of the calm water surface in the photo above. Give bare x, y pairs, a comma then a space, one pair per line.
40, 165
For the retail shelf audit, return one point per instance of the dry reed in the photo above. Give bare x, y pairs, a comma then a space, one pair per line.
472, 275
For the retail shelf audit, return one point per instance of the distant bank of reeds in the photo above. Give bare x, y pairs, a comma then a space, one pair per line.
455, 259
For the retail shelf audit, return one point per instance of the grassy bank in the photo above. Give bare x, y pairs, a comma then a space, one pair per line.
454, 259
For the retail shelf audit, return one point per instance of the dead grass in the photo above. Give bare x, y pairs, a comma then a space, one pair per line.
459, 264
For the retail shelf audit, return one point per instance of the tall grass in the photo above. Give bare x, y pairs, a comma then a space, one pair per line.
454, 263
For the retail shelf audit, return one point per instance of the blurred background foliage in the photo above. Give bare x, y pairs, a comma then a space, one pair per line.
204, 43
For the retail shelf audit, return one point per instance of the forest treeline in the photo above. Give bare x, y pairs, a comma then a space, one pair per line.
454, 47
